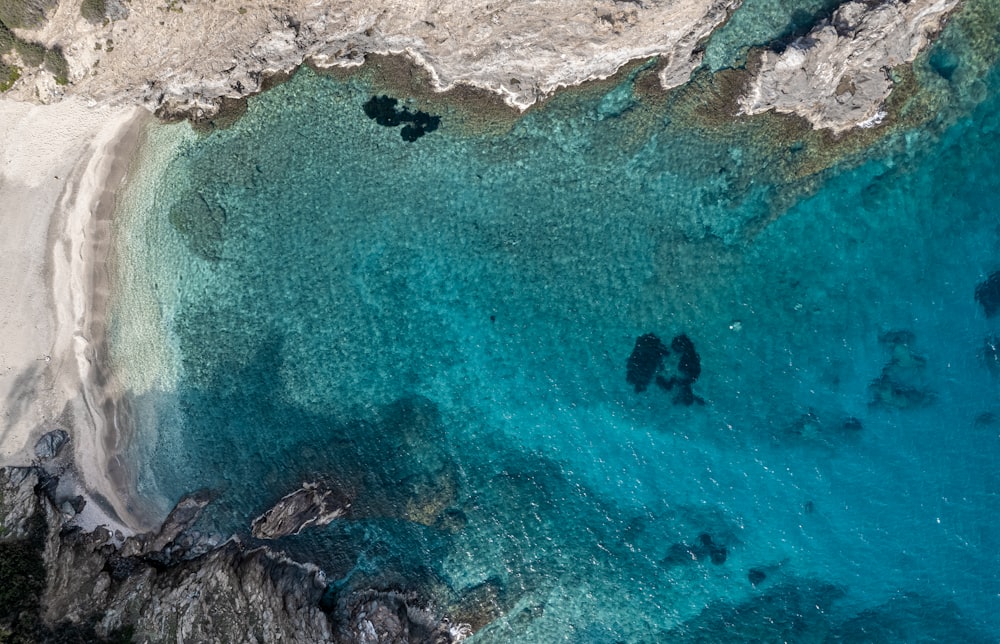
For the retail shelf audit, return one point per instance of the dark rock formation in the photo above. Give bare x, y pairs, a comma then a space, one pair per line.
686, 372
689, 365
63, 584
704, 548
756, 576
903, 382
645, 361
310, 505
803, 610
988, 294
384, 617
852, 424
384, 111
48, 445
985, 420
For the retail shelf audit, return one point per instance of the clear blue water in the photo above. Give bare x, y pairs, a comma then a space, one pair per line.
440, 330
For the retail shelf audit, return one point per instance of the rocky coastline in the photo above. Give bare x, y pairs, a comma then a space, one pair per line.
192, 58
67, 584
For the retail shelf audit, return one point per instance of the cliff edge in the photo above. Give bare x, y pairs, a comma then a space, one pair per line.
187, 56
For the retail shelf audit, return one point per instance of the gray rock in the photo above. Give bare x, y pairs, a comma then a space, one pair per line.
310, 505
228, 593
49, 445
836, 76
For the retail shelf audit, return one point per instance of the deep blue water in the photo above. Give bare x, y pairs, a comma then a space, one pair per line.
440, 330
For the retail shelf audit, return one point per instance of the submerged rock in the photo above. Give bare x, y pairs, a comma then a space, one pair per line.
985, 420
310, 505
988, 294
704, 548
647, 364
793, 612
685, 373
852, 424
645, 361
903, 381
689, 365
383, 110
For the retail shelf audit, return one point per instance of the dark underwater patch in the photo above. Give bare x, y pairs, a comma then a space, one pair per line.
944, 62
646, 359
988, 294
705, 548
384, 111
201, 223
647, 363
903, 381
796, 612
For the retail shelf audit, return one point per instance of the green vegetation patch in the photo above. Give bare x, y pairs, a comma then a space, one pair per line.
94, 11
24, 13
32, 53
7, 39
55, 62
8, 76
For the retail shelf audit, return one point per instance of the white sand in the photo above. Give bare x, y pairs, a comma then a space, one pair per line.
59, 168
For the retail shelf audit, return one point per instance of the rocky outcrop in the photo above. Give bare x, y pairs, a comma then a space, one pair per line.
837, 76
175, 586
184, 56
189, 57
310, 505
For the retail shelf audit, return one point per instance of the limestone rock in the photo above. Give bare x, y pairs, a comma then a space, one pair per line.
837, 76
184, 56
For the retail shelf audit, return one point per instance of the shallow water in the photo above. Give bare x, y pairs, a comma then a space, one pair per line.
440, 330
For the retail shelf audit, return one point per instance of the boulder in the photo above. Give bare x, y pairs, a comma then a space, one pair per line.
310, 505
49, 445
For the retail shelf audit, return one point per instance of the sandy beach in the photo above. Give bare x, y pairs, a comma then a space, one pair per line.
60, 167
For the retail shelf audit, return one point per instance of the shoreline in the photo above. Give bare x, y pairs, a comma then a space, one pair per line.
101, 462
66, 194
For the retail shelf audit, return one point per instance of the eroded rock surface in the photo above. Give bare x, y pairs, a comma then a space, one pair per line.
310, 505
171, 586
837, 76
186, 57
183, 56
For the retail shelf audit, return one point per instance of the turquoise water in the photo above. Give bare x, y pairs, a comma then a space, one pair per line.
440, 330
